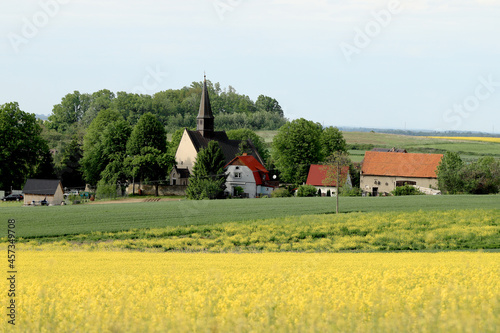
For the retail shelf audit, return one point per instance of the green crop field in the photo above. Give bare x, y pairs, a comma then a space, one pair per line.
77, 219
375, 231
468, 150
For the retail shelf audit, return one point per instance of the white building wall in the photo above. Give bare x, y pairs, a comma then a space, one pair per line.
246, 181
186, 153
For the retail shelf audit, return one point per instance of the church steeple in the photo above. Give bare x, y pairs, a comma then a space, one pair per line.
205, 119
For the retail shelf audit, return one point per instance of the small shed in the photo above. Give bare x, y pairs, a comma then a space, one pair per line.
37, 190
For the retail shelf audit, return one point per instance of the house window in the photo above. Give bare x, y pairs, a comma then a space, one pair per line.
237, 175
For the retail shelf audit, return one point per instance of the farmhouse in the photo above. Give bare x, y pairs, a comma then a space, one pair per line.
324, 178
245, 172
37, 190
193, 141
382, 172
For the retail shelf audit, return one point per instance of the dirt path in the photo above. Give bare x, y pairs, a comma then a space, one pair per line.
132, 200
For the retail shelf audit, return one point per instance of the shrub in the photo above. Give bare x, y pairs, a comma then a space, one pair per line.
350, 192
106, 191
406, 190
281, 193
306, 191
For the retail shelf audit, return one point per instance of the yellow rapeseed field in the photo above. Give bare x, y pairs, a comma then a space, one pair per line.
465, 138
112, 291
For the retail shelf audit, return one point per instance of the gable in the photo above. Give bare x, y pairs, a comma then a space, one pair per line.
401, 164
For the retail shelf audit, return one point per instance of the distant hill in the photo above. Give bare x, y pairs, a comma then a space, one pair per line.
419, 132
42, 116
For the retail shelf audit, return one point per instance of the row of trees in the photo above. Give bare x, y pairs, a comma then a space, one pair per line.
479, 177
173, 108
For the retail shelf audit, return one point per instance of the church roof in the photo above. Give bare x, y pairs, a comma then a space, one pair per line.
230, 148
205, 108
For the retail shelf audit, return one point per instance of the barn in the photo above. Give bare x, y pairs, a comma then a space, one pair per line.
37, 190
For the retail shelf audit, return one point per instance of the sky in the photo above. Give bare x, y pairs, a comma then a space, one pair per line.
406, 64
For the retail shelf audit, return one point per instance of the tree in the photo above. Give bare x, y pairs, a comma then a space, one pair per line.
69, 172
448, 173
23, 152
99, 144
245, 134
69, 112
148, 132
332, 141
336, 162
208, 180
148, 148
268, 104
481, 177
100, 100
295, 147
151, 165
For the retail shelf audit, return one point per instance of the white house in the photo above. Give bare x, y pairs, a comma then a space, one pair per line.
247, 173
37, 190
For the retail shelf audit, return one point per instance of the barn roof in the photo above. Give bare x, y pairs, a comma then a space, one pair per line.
401, 164
318, 175
41, 186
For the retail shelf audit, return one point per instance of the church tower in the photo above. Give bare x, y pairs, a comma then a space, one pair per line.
205, 119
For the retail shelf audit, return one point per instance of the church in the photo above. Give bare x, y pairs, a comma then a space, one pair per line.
193, 141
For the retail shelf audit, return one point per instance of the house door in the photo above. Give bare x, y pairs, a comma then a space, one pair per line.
375, 191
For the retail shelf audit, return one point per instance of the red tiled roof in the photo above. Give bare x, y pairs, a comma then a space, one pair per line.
318, 174
400, 164
260, 173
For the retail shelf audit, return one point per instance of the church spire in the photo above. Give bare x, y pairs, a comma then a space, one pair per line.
205, 119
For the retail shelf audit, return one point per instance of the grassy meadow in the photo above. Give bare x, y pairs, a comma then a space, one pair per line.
80, 291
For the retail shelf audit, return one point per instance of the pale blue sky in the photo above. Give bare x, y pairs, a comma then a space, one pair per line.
423, 64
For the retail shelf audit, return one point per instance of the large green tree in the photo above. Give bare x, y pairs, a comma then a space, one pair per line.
268, 104
69, 112
332, 141
69, 171
448, 173
104, 141
147, 148
208, 180
148, 132
23, 152
295, 147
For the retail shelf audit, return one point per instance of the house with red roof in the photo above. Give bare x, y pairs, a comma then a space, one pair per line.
247, 173
382, 172
324, 178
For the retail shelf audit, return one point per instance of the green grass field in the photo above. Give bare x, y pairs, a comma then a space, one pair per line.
77, 219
